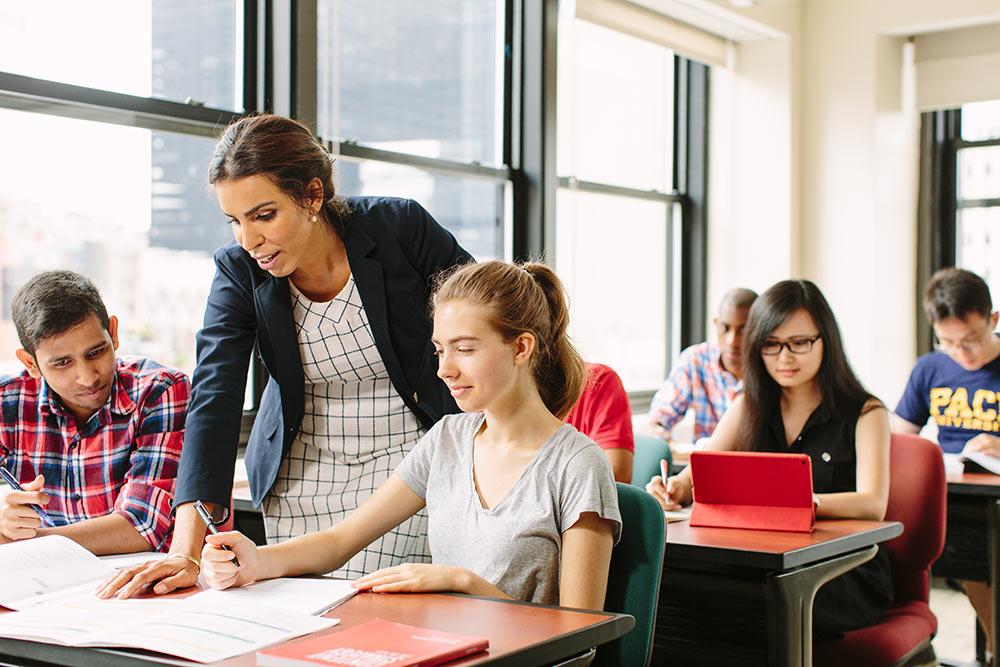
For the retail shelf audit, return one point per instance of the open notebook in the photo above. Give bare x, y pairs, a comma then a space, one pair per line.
52, 586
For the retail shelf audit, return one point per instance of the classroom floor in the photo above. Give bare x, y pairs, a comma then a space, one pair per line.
955, 643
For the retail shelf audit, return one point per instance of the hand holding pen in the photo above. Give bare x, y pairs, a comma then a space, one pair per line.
206, 516
219, 564
21, 514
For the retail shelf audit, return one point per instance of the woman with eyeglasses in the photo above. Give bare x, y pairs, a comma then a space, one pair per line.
801, 396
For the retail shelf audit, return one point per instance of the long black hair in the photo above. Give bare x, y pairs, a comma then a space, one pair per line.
838, 384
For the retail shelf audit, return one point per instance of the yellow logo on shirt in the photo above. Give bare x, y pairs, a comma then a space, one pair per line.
951, 407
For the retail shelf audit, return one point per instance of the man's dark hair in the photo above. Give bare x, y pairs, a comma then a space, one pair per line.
956, 293
54, 302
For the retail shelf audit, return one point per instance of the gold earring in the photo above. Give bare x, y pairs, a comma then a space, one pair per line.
314, 218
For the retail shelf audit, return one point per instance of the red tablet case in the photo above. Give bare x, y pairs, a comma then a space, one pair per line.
757, 490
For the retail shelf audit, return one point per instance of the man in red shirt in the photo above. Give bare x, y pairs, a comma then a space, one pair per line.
604, 415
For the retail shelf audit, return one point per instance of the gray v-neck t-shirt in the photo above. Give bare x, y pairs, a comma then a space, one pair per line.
516, 545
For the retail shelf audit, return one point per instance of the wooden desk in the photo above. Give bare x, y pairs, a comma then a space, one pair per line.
972, 538
744, 597
520, 634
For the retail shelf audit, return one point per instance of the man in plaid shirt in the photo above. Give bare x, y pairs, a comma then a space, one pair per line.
93, 439
707, 375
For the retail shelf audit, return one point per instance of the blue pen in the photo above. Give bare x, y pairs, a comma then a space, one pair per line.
12, 483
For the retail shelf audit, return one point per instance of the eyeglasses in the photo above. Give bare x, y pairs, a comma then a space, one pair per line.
971, 344
804, 345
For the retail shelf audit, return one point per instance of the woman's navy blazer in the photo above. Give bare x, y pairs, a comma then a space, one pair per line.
394, 248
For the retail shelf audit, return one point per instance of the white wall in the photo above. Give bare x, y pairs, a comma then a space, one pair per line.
820, 143
753, 166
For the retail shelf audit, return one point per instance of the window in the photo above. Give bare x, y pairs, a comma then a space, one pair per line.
429, 86
128, 208
472, 209
445, 101
617, 208
977, 223
615, 107
92, 186
959, 204
611, 303
176, 50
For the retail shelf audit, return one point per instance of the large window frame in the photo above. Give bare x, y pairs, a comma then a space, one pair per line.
279, 75
686, 204
939, 203
25, 93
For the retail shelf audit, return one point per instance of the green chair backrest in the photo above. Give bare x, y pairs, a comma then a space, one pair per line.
634, 577
649, 450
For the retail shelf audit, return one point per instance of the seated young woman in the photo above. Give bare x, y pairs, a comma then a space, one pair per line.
519, 504
801, 396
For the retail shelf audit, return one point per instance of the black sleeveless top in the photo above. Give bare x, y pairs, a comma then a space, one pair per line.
827, 438
857, 598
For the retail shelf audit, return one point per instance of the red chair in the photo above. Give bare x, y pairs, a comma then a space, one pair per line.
917, 499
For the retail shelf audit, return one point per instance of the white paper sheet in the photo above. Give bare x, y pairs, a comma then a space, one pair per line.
46, 564
955, 463
204, 631
683, 514
121, 561
303, 596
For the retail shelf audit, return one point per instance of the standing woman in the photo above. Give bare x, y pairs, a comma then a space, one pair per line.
801, 396
335, 295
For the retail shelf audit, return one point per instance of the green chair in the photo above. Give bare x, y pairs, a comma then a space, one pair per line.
649, 450
634, 577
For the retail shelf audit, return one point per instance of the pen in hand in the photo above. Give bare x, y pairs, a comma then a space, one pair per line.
207, 518
13, 483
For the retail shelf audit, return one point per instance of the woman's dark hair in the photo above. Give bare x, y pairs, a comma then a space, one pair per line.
838, 384
52, 303
956, 293
283, 150
519, 298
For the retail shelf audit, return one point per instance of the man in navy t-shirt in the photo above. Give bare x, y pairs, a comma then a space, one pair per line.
959, 385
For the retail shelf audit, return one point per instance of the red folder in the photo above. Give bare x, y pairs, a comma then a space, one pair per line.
374, 642
757, 490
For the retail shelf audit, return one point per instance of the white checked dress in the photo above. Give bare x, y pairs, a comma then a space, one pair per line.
355, 431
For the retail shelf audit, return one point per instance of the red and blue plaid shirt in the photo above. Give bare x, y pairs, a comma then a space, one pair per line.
697, 381
123, 460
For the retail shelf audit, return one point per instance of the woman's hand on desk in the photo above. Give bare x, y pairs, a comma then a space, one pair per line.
673, 494
217, 562
423, 578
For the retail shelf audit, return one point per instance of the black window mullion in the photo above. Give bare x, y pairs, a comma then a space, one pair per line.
250, 56
534, 178
509, 57
937, 203
26, 93
691, 169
